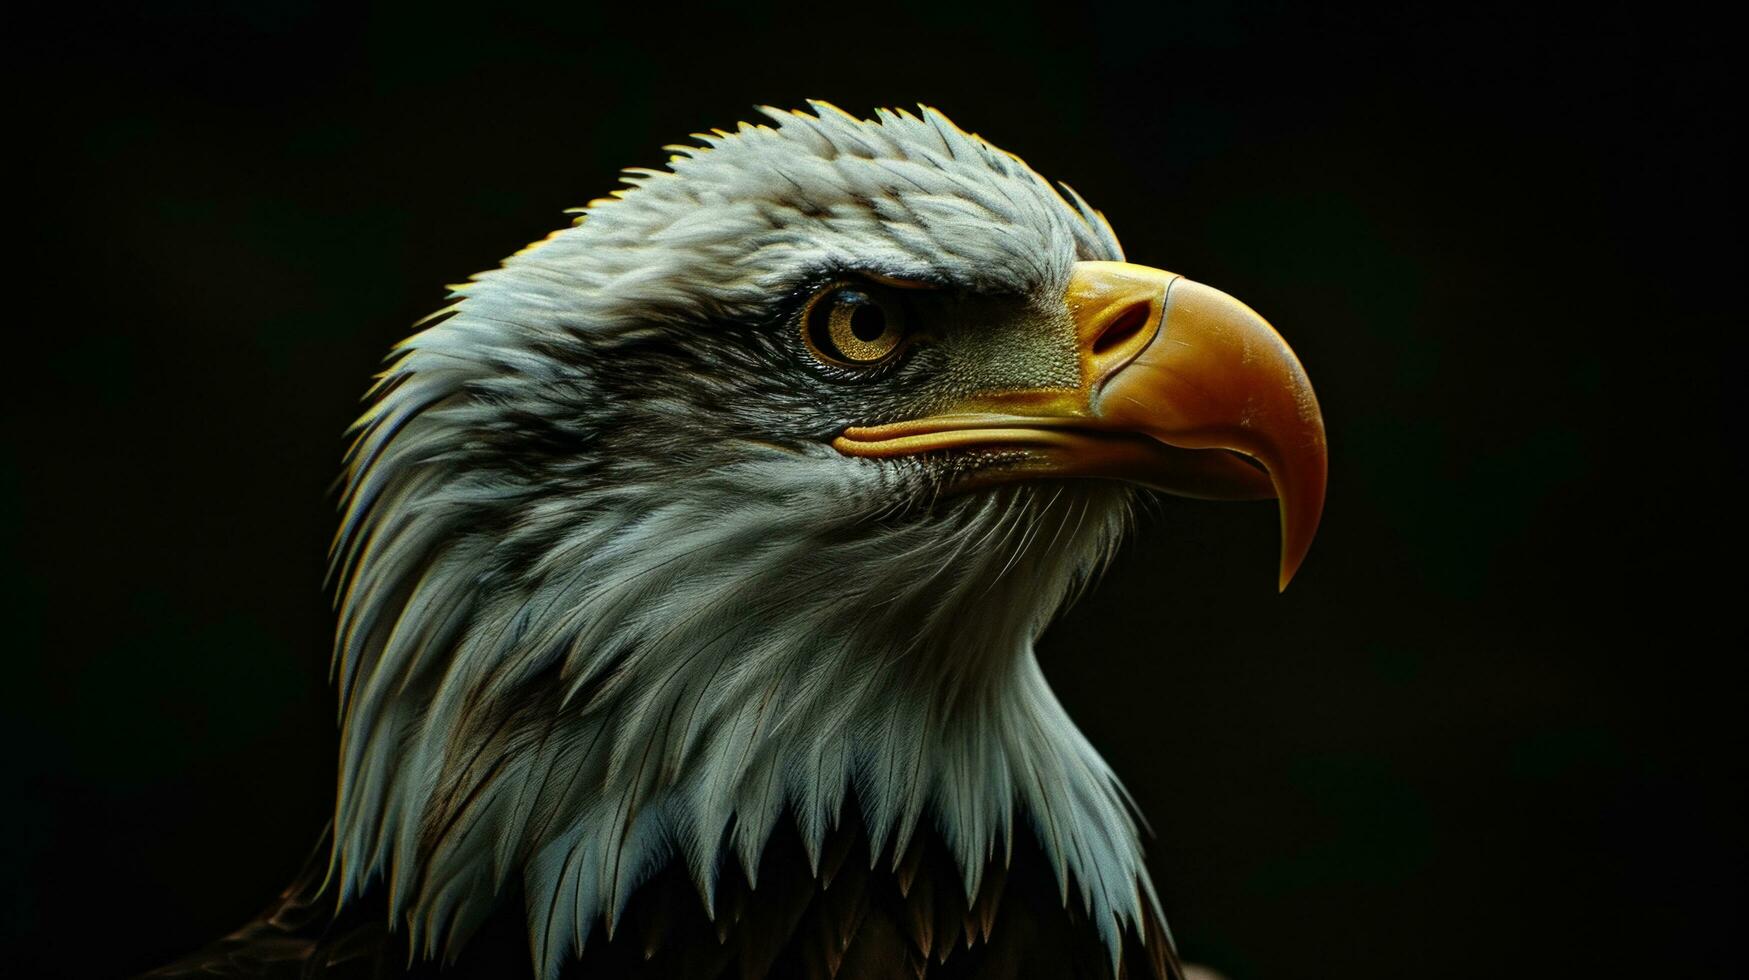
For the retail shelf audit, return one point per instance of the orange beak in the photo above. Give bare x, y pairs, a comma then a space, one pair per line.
1183, 388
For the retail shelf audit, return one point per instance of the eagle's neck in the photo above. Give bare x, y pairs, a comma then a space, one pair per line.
655, 687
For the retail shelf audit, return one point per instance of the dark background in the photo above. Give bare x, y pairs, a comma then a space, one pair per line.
1486, 732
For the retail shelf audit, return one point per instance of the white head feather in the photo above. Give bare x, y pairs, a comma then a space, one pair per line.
578, 638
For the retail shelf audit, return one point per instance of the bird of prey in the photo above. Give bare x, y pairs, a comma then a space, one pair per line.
691, 563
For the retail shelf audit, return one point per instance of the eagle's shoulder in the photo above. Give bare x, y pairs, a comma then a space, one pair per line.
298, 935
852, 919
860, 918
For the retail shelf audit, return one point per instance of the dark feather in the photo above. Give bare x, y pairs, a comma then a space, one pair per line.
861, 923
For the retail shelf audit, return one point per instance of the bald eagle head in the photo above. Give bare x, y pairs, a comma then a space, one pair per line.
742, 501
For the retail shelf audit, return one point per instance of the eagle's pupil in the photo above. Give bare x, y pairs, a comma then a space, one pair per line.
867, 322
851, 328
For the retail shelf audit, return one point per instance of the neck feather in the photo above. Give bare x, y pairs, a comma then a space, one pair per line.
584, 700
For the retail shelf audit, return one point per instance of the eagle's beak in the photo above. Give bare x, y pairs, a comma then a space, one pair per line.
1184, 389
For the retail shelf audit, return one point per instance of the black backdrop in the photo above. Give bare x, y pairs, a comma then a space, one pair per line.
1485, 732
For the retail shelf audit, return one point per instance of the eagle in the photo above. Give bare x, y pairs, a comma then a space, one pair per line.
691, 562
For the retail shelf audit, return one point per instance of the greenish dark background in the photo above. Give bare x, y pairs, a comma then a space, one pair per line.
1486, 732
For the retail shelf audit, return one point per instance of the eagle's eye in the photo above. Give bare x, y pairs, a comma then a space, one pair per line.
852, 325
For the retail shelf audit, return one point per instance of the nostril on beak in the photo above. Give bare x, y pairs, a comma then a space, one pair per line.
1116, 312
1122, 328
